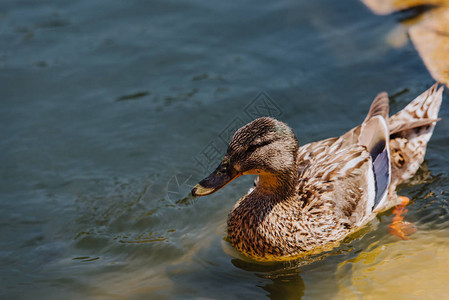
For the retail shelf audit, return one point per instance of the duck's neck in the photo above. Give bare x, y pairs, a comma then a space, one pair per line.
278, 187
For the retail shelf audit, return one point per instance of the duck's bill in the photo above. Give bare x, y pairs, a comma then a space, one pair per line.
222, 175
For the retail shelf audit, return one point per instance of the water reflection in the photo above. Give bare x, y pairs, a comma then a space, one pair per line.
283, 280
285, 286
393, 270
104, 102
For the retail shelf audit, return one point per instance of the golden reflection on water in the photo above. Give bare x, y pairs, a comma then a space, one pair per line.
417, 268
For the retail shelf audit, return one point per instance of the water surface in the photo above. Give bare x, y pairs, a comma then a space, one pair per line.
111, 110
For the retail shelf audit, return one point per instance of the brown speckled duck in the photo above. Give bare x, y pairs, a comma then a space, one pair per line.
306, 199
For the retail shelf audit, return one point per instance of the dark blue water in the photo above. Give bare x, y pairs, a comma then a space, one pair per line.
110, 110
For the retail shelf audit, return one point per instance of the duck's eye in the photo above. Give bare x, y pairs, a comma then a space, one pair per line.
252, 148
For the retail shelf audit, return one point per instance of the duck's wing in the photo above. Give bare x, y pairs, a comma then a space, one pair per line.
350, 173
336, 184
374, 134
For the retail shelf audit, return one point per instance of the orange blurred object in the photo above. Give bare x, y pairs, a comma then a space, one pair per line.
398, 227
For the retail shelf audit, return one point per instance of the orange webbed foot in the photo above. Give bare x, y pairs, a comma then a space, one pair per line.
398, 227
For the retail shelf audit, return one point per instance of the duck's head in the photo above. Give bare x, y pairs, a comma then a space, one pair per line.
265, 147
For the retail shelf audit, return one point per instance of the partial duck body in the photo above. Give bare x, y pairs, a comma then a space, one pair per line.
307, 199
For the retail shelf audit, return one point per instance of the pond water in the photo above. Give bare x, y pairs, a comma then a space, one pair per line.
111, 110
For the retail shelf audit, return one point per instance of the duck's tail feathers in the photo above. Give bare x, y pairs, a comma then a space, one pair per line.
379, 107
410, 131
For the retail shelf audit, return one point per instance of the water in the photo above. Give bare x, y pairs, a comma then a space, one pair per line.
109, 111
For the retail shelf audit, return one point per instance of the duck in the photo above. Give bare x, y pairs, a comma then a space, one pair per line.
307, 199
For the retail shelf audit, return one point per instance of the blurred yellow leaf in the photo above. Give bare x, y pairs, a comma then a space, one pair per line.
428, 32
397, 37
384, 7
431, 39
